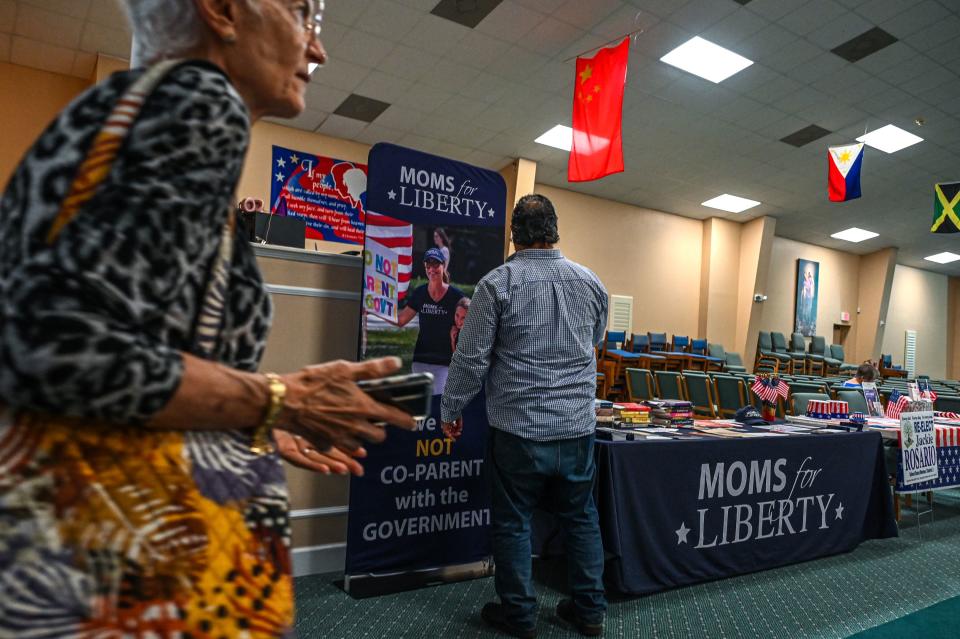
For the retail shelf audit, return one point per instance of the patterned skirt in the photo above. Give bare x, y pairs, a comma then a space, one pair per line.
115, 531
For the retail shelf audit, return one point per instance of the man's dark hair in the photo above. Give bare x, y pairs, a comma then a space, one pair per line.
866, 372
534, 221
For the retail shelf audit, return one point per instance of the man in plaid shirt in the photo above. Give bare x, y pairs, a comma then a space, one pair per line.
530, 338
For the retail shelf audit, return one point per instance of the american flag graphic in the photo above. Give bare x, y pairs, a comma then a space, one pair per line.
948, 461
769, 389
896, 404
397, 235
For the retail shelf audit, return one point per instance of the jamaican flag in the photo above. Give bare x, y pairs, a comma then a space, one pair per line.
946, 208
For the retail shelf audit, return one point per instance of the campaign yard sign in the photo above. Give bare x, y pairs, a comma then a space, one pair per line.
328, 194
380, 280
918, 447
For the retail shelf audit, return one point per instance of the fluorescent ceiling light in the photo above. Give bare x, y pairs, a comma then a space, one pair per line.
559, 137
889, 139
854, 235
311, 67
732, 203
706, 59
943, 258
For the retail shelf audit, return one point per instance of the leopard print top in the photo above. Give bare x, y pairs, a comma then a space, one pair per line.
108, 528
94, 325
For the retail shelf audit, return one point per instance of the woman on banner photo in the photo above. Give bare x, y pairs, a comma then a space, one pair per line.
436, 305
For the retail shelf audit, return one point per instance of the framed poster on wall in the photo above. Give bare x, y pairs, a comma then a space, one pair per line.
808, 282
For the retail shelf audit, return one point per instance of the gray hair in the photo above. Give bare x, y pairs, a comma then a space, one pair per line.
162, 29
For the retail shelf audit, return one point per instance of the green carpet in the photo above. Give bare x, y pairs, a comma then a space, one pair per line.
939, 620
840, 596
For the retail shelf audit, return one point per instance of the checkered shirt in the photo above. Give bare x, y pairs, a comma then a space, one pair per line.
529, 336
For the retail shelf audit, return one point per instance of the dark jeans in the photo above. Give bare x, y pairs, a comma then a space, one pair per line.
525, 472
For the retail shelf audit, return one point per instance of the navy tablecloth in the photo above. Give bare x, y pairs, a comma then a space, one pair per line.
674, 513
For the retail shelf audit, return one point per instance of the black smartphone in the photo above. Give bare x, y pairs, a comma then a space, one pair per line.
411, 393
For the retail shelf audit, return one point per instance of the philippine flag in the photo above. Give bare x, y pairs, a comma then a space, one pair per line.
843, 172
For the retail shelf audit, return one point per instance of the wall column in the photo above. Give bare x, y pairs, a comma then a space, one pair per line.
521, 178
873, 300
719, 281
756, 245
953, 328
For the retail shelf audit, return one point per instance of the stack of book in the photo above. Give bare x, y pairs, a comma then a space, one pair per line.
670, 413
632, 414
605, 411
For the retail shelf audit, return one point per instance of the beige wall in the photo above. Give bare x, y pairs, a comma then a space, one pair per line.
29, 100
653, 256
756, 241
918, 302
838, 289
719, 282
953, 328
876, 283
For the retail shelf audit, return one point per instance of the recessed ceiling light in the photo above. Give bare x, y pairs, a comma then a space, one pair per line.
706, 59
854, 235
889, 139
943, 258
559, 137
732, 203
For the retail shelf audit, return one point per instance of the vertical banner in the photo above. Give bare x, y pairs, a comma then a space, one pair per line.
421, 512
328, 194
918, 447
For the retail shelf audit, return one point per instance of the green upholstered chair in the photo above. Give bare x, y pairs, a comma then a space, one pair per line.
779, 342
816, 355
731, 394
836, 351
735, 363
831, 364
798, 401
807, 387
699, 389
854, 399
798, 354
669, 385
640, 385
767, 358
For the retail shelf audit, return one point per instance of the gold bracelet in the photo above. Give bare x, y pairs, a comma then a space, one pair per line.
261, 437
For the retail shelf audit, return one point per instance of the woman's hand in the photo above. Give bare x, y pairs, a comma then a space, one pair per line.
325, 406
301, 453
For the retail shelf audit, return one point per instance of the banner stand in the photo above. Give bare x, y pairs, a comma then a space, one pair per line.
420, 514
374, 585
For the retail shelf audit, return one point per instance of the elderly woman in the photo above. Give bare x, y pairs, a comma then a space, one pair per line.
141, 489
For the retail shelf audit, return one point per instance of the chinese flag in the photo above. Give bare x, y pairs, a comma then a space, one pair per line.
597, 110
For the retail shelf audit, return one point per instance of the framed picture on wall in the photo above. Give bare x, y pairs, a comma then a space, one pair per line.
808, 282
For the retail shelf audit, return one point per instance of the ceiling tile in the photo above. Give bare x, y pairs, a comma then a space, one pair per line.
510, 21
517, 63
323, 97
935, 34
423, 97
375, 132
774, 9
46, 26
624, 20
388, 19
346, 13
811, 16
102, 39
341, 127
797, 53
916, 17
449, 76
108, 12
550, 36
400, 118
878, 11
358, 45
72, 8
49, 57
343, 75
735, 28
308, 120
383, 86
766, 42
586, 15
698, 15
477, 50
436, 35
839, 30
662, 8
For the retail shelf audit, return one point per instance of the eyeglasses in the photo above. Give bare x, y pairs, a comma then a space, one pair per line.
309, 15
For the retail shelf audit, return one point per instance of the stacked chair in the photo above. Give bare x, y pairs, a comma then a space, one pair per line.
767, 359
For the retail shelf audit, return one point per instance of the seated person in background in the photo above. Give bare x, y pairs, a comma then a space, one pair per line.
865, 373
459, 317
